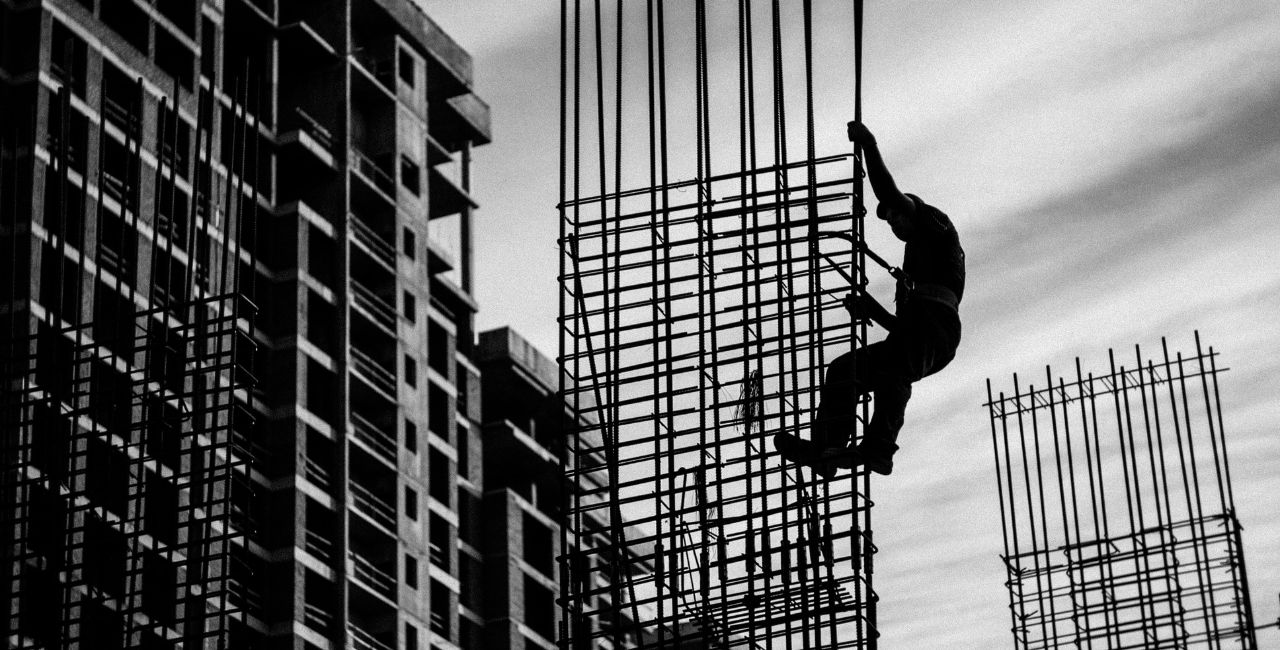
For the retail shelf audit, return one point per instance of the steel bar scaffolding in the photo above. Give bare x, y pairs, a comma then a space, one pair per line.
126, 419
703, 263
1118, 517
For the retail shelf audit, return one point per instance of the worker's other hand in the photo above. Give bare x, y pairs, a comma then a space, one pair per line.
860, 134
857, 303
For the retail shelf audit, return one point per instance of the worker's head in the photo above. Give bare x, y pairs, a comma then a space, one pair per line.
898, 220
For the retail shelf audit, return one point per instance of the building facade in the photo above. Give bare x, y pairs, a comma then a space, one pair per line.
522, 532
310, 194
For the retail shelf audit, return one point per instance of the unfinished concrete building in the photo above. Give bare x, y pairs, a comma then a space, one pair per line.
317, 169
524, 525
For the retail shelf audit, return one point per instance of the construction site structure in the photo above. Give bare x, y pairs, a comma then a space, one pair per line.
238, 324
1119, 523
524, 418
705, 250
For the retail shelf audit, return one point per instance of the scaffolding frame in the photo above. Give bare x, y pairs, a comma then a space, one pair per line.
1119, 522
698, 311
127, 431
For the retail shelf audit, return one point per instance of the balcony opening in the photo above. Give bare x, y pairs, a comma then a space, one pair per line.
439, 476
320, 600
102, 624
69, 57
539, 608
374, 418
373, 555
539, 549
373, 488
320, 459
471, 586
373, 136
322, 323
442, 611
120, 170
160, 519
108, 478
64, 219
411, 503
322, 16
159, 581
410, 571
75, 150
182, 13
439, 414
322, 257
463, 443
410, 306
410, 437
121, 99
410, 176
321, 396
440, 546
248, 56
130, 21
319, 529
171, 221
438, 354
373, 622
407, 68
105, 553
175, 58
208, 47
410, 244
468, 524
373, 41
373, 354
410, 636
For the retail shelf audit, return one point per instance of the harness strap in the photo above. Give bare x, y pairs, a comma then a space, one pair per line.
935, 293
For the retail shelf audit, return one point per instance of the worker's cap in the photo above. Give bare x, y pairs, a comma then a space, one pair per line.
883, 209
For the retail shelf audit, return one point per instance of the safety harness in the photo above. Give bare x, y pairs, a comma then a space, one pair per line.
909, 290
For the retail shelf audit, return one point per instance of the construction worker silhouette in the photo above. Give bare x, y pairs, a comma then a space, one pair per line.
923, 333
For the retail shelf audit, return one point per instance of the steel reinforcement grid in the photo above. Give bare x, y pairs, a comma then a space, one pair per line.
700, 303
1119, 523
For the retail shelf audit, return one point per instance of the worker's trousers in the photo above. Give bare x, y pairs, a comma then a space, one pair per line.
923, 342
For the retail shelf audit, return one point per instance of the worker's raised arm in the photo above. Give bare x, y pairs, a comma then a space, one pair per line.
882, 184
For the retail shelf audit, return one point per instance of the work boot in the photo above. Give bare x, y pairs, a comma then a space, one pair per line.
804, 452
875, 454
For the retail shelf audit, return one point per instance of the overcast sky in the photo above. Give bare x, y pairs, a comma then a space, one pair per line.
1114, 172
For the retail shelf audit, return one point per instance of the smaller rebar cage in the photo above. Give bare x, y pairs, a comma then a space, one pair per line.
1118, 518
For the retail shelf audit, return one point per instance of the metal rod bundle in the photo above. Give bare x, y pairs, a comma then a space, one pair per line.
1119, 523
699, 307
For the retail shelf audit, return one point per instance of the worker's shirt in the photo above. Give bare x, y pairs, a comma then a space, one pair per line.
933, 254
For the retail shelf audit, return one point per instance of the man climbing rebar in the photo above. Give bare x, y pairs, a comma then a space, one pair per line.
923, 333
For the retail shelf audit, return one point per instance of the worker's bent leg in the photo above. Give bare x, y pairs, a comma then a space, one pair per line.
891, 399
846, 380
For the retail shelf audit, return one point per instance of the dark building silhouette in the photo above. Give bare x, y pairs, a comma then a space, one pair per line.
239, 342
522, 534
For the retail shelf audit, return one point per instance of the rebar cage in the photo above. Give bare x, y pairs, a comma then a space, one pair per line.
699, 308
1118, 518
